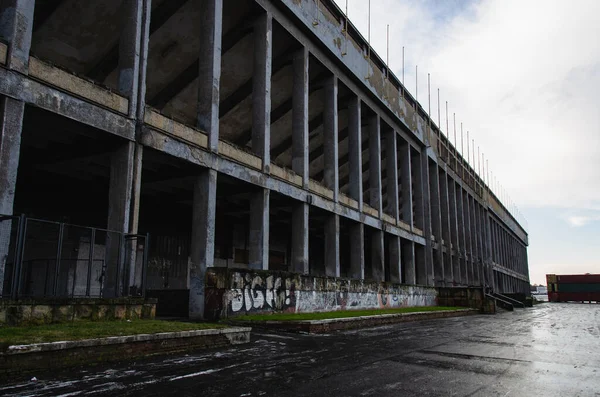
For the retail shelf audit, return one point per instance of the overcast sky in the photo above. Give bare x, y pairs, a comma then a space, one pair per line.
524, 78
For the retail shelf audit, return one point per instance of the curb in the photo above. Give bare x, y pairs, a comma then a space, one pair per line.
335, 324
44, 356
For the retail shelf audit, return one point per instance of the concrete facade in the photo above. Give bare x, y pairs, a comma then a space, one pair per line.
282, 146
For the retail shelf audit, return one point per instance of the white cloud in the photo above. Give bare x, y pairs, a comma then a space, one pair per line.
581, 220
521, 75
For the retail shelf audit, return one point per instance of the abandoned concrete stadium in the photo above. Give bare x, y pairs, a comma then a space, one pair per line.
260, 136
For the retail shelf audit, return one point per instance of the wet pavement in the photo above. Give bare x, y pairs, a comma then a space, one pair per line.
551, 349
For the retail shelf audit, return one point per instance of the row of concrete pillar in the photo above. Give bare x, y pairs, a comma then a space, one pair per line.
507, 250
418, 191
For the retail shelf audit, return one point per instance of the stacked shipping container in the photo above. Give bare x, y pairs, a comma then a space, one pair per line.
573, 287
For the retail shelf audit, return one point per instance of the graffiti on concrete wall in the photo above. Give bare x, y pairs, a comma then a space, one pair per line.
250, 292
255, 293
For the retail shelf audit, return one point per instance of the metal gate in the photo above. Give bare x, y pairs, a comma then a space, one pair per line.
41, 258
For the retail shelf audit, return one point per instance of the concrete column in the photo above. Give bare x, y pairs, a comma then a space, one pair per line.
420, 264
16, 27
496, 242
300, 116
406, 182
357, 251
209, 73
468, 237
436, 223
129, 51
446, 222
300, 238
489, 248
377, 255
375, 199
122, 165
355, 151
261, 89
503, 247
392, 175
11, 124
494, 249
332, 246
474, 240
259, 230
135, 271
483, 242
454, 233
395, 259
426, 208
461, 234
418, 184
202, 247
330, 137
408, 262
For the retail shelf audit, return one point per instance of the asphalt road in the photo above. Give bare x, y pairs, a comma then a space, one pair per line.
551, 350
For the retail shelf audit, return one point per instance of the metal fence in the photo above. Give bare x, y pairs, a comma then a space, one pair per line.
40, 258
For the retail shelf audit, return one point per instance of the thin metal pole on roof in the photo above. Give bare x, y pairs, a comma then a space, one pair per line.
479, 161
403, 69
439, 114
416, 86
346, 32
429, 108
369, 32
468, 155
455, 146
388, 52
447, 130
487, 167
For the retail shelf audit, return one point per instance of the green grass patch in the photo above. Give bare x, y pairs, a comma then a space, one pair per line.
92, 329
339, 314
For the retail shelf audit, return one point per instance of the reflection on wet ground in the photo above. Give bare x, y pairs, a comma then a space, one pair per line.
551, 349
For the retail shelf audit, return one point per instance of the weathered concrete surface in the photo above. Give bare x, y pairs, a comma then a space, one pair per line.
54, 310
336, 324
18, 360
547, 350
231, 292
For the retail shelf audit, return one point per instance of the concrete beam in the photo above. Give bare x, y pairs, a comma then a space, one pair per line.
70, 83
24, 89
209, 70
202, 247
180, 148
